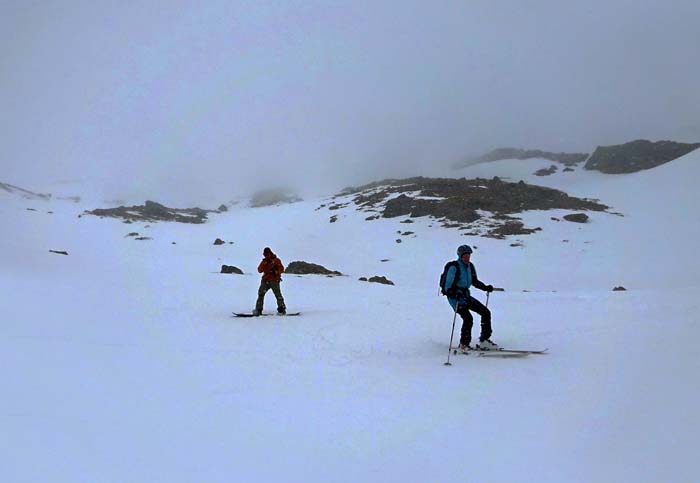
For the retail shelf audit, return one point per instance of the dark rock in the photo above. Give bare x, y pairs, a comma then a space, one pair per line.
152, 211
370, 218
546, 171
636, 156
133, 233
362, 279
619, 289
219, 241
398, 240
569, 170
334, 218
378, 279
577, 217
304, 268
231, 269
222, 209
143, 238
59, 252
408, 220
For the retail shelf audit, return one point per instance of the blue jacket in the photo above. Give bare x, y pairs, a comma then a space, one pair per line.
467, 278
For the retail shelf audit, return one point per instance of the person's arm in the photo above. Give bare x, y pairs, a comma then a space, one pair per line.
261, 267
280, 267
478, 283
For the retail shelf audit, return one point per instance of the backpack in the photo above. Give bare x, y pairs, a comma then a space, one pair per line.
449, 290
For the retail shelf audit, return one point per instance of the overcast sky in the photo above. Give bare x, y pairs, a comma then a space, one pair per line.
224, 96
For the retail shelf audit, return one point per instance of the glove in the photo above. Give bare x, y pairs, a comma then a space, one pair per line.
489, 288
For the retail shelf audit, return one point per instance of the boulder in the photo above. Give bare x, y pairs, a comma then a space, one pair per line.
577, 217
305, 268
231, 269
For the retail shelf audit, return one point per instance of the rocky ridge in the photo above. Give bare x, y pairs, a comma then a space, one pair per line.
485, 207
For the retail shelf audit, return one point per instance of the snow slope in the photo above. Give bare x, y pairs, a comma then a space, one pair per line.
121, 361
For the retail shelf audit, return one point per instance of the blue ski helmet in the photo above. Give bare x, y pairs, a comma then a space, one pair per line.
464, 249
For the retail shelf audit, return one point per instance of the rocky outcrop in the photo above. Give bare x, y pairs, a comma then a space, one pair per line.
547, 171
636, 156
461, 203
377, 279
305, 268
152, 211
500, 154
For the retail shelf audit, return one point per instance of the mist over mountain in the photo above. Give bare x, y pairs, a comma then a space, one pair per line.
181, 101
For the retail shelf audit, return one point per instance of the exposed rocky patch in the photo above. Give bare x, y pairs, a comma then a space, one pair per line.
305, 268
272, 197
152, 211
231, 269
484, 207
636, 156
59, 252
567, 159
377, 279
619, 289
547, 171
219, 241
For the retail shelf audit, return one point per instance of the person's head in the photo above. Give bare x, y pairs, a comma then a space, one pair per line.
267, 252
464, 252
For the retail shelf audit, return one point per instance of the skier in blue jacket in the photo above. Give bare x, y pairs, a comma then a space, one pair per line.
462, 302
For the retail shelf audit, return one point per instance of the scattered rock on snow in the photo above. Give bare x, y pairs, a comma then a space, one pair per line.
219, 241
59, 252
619, 289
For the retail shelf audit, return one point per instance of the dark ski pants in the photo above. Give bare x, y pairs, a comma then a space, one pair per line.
264, 287
463, 309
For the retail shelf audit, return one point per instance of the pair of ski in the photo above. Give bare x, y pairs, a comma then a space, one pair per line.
502, 353
288, 314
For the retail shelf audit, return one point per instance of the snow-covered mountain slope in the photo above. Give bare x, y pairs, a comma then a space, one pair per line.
121, 361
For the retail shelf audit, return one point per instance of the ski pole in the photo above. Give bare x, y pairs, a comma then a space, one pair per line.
449, 351
487, 298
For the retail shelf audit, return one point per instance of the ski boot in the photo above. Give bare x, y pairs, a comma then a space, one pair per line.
487, 345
